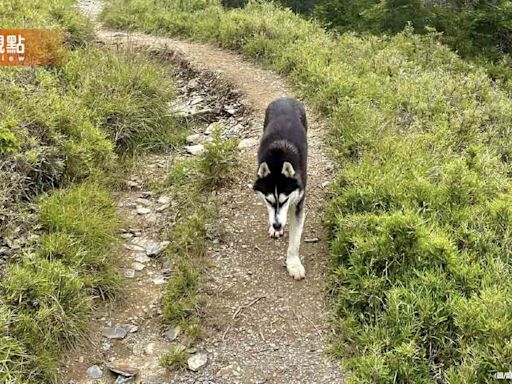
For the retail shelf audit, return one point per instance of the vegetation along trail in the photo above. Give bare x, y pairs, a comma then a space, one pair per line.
258, 325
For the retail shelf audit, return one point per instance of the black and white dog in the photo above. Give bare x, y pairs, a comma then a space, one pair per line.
282, 174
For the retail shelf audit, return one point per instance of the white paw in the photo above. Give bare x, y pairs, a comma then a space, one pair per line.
295, 268
275, 234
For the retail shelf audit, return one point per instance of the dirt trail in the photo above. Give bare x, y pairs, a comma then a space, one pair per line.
261, 326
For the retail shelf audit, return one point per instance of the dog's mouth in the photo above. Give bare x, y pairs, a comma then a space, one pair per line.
275, 233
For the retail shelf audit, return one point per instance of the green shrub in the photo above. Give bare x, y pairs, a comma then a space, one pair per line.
419, 218
216, 161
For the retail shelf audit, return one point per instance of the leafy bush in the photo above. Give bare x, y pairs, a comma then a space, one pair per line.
481, 30
420, 216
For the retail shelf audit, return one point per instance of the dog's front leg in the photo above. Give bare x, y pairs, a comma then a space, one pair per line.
293, 263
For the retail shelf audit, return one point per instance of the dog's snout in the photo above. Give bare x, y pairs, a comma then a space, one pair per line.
277, 226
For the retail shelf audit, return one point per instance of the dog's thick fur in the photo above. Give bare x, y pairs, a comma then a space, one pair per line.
282, 173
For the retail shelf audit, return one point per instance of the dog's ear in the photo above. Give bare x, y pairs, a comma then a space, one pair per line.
288, 170
263, 170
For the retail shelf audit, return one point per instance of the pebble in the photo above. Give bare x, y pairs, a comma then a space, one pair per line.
164, 199
141, 258
123, 369
138, 266
195, 149
114, 332
94, 372
155, 248
143, 210
162, 207
124, 380
133, 247
132, 184
159, 280
197, 361
129, 273
194, 138
312, 240
172, 333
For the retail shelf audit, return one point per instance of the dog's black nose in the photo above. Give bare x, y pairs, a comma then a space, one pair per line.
277, 226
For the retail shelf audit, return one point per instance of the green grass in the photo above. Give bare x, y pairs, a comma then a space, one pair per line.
191, 182
67, 133
176, 359
419, 220
47, 294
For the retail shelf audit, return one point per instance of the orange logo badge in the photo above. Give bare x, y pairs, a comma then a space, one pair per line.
30, 47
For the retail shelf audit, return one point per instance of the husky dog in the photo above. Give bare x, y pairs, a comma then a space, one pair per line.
282, 166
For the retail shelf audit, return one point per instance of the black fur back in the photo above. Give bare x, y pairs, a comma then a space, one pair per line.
284, 139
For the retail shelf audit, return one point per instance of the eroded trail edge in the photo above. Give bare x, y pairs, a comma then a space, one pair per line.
260, 326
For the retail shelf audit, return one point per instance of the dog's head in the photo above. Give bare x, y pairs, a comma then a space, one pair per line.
278, 187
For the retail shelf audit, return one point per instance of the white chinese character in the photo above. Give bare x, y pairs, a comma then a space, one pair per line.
20, 47
2, 44
11, 44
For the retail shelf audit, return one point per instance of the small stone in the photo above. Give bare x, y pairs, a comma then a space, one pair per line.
124, 380
195, 149
126, 235
129, 273
143, 210
144, 202
163, 207
197, 361
312, 240
122, 368
138, 266
164, 199
247, 143
141, 258
114, 332
172, 333
132, 184
230, 110
159, 280
155, 248
325, 184
132, 328
194, 138
134, 247
94, 372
